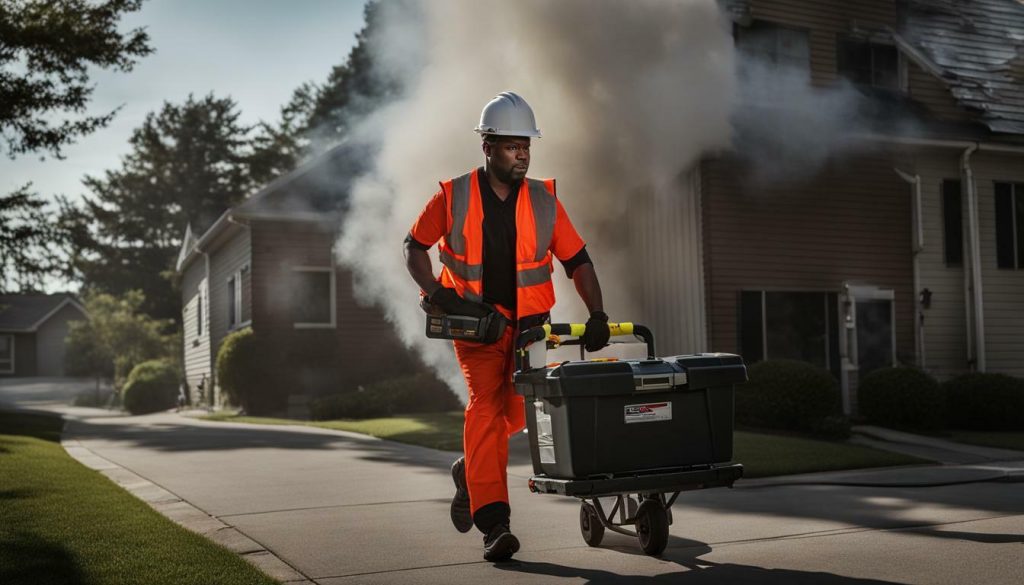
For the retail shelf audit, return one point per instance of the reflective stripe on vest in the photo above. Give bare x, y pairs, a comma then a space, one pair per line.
461, 269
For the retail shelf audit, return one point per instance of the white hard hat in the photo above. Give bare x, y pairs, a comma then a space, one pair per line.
508, 114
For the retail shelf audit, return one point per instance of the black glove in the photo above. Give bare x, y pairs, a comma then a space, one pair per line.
597, 334
452, 304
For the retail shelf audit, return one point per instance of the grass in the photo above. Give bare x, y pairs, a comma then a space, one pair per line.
761, 454
1002, 440
63, 523
437, 430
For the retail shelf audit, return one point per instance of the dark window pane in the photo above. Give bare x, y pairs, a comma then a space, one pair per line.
885, 67
246, 285
952, 221
232, 312
1004, 226
832, 321
1018, 194
874, 335
751, 333
854, 61
311, 297
795, 324
199, 313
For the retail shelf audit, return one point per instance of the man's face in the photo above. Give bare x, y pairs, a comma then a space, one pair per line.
508, 158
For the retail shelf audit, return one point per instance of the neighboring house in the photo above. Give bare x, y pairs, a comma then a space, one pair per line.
909, 249
33, 328
267, 264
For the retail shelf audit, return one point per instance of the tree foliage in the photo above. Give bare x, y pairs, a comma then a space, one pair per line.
116, 337
47, 51
188, 164
30, 242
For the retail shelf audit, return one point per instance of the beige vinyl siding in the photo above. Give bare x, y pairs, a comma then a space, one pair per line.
826, 19
850, 223
226, 260
945, 325
1003, 289
925, 88
196, 346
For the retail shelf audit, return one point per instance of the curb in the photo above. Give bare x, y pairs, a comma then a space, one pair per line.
188, 516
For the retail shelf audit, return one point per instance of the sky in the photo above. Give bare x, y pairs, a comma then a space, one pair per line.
256, 51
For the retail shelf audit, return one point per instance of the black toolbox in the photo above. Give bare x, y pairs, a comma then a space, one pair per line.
592, 419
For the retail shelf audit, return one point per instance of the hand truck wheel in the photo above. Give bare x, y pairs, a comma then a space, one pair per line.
590, 524
652, 526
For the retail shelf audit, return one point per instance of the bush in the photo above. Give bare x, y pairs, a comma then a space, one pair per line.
152, 386
407, 394
902, 397
243, 374
788, 394
991, 402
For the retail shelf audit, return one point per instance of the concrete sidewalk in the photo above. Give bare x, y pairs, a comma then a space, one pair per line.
317, 506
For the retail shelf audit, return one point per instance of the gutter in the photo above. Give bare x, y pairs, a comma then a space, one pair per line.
917, 246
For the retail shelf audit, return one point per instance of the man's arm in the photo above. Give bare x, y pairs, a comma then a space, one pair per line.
417, 262
589, 289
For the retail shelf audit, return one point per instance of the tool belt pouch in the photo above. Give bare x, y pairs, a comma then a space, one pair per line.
487, 329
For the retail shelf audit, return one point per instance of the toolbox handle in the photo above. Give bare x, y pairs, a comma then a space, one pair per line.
542, 332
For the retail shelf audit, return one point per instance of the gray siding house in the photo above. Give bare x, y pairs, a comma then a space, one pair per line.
268, 264
33, 328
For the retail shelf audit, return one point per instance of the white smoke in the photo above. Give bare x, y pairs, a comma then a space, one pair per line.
627, 96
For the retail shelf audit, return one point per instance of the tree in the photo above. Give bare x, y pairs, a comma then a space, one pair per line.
47, 51
188, 164
29, 242
116, 337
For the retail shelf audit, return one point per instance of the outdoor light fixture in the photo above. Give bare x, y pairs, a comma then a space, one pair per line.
926, 298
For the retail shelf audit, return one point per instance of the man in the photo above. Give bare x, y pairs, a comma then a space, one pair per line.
498, 231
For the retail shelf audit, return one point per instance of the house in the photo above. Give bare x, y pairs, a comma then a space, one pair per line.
906, 247
33, 328
267, 264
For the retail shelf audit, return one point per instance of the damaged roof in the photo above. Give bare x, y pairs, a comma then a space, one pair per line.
977, 49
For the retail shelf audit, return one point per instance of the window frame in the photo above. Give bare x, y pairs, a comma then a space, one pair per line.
830, 306
13, 355
333, 297
873, 42
1016, 191
199, 309
947, 190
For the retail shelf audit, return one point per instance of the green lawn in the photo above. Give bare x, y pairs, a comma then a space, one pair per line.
440, 430
762, 454
62, 523
1002, 440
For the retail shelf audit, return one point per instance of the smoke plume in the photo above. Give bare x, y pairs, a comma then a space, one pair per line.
627, 95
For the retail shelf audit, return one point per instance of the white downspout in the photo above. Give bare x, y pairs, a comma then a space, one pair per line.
917, 246
211, 382
974, 304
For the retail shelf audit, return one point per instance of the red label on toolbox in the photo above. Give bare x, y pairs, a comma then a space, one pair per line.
651, 412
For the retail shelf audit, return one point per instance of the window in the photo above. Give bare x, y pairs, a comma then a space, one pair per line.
199, 312
245, 294
773, 45
233, 290
869, 64
790, 325
7, 354
312, 297
1009, 225
952, 222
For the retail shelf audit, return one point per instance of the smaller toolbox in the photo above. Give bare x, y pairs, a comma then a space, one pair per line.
590, 419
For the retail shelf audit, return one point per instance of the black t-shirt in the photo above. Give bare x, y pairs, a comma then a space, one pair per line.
499, 244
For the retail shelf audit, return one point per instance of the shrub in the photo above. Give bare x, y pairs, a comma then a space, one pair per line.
243, 374
787, 394
152, 386
986, 402
902, 397
407, 394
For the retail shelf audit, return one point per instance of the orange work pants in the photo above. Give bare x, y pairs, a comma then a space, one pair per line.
494, 412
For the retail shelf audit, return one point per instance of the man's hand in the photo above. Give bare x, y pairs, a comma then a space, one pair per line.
452, 304
597, 334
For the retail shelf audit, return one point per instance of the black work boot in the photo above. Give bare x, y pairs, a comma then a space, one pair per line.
461, 516
500, 544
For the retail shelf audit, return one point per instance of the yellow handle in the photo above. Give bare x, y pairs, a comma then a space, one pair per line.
578, 329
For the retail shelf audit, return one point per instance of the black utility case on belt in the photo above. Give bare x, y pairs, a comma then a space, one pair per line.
605, 418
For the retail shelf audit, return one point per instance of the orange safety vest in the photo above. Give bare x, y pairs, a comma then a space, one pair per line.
461, 249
